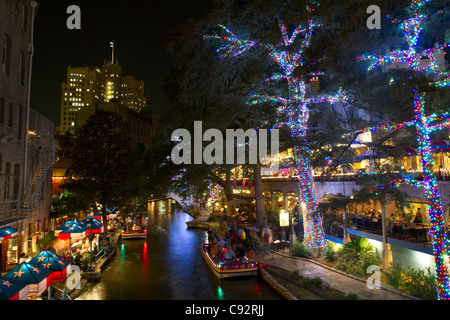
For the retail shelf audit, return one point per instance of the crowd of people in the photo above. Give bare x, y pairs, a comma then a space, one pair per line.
370, 214
396, 225
238, 243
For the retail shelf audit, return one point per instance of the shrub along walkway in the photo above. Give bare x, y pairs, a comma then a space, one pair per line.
336, 279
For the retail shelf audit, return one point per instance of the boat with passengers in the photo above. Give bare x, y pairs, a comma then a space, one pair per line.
135, 228
226, 268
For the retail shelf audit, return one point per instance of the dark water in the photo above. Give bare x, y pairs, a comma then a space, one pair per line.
168, 266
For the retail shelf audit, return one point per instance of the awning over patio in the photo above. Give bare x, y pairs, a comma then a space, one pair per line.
7, 233
371, 154
440, 145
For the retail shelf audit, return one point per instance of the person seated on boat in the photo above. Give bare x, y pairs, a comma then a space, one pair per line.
229, 255
213, 249
240, 252
239, 234
228, 234
250, 255
220, 256
243, 236
211, 236
233, 237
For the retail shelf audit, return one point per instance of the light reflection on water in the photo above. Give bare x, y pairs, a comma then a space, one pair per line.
169, 266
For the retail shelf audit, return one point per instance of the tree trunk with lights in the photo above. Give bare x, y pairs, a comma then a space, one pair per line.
293, 111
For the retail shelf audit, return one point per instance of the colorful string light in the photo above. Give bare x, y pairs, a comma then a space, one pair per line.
411, 29
425, 125
295, 108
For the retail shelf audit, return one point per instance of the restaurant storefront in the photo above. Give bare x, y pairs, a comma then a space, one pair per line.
9, 248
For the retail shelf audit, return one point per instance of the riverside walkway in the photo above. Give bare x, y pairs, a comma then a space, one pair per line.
310, 268
336, 279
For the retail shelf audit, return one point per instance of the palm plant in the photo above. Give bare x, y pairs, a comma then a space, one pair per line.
357, 248
356, 256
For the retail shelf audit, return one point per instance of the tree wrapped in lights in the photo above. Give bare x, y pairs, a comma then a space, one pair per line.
289, 55
425, 125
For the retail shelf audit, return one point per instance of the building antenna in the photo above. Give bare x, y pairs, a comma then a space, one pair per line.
111, 43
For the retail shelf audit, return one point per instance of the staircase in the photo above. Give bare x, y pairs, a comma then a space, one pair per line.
42, 164
19, 208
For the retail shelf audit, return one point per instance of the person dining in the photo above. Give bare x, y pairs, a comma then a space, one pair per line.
419, 216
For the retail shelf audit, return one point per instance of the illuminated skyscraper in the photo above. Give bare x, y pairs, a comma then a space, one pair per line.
91, 86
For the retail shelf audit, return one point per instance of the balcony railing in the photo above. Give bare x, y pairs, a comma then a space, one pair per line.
440, 174
399, 229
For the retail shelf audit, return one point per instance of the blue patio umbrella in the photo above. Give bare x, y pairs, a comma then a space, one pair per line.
440, 145
73, 231
407, 151
37, 278
92, 225
59, 267
371, 155
81, 223
111, 210
12, 289
98, 215
43, 255
63, 226
7, 233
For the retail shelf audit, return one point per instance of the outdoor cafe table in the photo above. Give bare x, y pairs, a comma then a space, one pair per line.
419, 230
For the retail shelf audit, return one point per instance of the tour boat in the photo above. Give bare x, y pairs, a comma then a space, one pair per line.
229, 269
135, 229
134, 234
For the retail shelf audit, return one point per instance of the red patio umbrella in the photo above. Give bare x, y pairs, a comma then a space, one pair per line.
37, 278
11, 289
93, 225
407, 151
75, 231
52, 261
371, 154
440, 145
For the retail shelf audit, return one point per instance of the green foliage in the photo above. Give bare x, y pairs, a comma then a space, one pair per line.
329, 253
315, 282
415, 282
394, 275
356, 256
352, 296
106, 165
47, 240
296, 275
300, 250
85, 260
420, 284
196, 214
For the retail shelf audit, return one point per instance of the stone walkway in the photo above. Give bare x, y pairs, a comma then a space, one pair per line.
309, 268
337, 280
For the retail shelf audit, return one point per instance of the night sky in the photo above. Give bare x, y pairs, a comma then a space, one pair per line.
136, 26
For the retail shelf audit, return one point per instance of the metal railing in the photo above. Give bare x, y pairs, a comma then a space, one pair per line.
62, 293
100, 255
